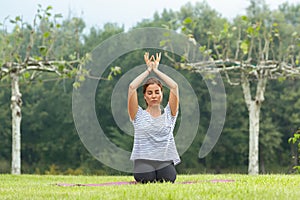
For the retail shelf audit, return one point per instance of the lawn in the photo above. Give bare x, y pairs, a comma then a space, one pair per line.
225, 186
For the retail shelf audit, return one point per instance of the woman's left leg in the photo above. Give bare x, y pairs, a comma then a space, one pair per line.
167, 173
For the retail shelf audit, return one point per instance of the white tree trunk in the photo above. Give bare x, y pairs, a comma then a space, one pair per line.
16, 104
254, 107
254, 112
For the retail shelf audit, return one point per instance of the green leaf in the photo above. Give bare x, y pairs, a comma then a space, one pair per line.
244, 46
110, 77
292, 140
281, 79
76, 85
37, 58
244, 18
81, 78
43, 50
202, 49
49, 8
163, 43
46, 34
117, 70
18, 18
61, 68
166, 34
250, 30
187, 20
26, 75
226, 27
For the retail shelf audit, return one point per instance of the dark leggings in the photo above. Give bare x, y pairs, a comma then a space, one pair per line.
154, 171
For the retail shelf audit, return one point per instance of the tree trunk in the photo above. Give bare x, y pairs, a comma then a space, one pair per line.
16, 104
254, 112
254, 107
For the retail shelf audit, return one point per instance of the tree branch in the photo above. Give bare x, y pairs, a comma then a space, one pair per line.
246, 90
274, 69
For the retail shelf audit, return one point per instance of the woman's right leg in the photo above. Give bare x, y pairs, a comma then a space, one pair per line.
144, 172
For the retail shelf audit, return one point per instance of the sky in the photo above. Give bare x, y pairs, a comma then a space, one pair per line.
123, 12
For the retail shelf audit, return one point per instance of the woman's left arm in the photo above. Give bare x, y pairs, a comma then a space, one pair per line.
174, 92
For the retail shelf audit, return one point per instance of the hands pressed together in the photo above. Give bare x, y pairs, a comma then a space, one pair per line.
152, 63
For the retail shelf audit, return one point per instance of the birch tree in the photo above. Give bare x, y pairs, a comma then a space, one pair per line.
28, 51
250, 52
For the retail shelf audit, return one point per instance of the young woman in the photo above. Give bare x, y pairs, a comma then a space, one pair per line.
154, 152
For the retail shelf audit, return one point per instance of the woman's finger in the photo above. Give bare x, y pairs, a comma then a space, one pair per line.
152, 58
146, 57
158, 56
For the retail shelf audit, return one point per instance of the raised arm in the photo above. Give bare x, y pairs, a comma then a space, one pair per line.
174, 92
132, 94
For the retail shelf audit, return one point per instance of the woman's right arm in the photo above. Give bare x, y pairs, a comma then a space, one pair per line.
132, 94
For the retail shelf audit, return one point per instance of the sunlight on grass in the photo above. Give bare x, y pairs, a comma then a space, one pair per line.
227, 186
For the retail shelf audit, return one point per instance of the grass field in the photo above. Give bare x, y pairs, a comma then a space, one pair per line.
242, 187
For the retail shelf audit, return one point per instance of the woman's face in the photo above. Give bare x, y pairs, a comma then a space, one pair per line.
153, 95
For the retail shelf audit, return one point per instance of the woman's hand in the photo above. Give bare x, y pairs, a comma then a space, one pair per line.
149, 62
156, 61
152, 62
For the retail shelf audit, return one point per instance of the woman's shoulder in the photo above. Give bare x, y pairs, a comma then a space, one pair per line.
167, 108
169, 113
140, 113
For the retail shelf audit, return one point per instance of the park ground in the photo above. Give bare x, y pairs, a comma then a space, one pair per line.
200, 186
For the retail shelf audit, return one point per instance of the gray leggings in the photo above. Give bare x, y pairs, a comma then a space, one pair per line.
152, 171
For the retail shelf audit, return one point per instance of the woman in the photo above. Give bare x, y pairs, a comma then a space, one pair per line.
154, 152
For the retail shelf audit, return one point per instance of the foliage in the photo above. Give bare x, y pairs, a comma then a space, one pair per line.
254, 48
50, 143
296, 140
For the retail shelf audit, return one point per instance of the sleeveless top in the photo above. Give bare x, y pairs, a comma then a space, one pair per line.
153, 136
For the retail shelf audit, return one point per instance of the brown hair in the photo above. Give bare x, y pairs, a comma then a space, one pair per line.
152, 81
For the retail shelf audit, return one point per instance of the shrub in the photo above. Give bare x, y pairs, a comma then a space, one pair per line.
296, 140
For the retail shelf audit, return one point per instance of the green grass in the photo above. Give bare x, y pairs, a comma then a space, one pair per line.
244, 187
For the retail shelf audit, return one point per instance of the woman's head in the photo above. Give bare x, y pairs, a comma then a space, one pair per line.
153, 91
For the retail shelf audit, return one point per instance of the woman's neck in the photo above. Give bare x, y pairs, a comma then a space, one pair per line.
154, 111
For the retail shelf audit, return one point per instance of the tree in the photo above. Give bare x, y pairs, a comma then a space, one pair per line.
27, 52
249, 52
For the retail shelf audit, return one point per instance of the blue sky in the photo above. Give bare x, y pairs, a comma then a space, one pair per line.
126, 12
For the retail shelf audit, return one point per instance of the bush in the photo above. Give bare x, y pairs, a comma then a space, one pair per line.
296, 141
